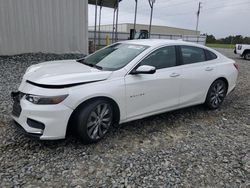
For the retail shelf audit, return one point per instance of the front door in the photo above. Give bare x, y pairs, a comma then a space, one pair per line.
151, 93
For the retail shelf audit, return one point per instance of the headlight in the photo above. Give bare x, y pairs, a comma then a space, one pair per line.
36, 99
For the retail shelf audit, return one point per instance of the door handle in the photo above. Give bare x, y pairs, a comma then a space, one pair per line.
174, 75
209, 68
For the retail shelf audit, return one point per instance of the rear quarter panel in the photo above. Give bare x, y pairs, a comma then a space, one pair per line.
226, 69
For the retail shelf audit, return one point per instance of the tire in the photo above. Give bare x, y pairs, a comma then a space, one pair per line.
247, 56
216, 94
93, 121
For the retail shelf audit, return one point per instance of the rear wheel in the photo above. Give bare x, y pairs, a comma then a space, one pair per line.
247, 56
216, 94
94, 120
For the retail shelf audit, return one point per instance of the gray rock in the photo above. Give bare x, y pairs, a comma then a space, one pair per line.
192, 147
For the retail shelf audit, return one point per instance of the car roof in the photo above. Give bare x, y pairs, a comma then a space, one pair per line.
159, 42
154, 43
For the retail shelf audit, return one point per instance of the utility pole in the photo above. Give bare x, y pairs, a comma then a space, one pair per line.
135, 14
151, 4
116, 24
96, 3
198, 17
99, 27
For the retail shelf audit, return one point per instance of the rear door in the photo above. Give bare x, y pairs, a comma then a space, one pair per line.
198, 73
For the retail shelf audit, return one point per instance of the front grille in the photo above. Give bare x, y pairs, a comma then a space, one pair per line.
17, 109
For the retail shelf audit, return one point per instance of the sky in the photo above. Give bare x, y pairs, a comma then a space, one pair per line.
218, 17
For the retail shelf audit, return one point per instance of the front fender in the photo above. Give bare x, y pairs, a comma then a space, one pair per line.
114, 90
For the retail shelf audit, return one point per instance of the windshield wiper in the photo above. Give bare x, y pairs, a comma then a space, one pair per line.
89, 64
96, 66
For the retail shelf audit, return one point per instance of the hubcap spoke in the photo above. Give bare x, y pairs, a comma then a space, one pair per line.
105, 125
94, 134
91, 124
219, 100
91, 130
107, 119
221, 95
98, 110
100, 133
212, 98
219, 87
221, 91
104, 110
93, 115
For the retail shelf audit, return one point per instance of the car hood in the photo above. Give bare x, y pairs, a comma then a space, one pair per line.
64, 72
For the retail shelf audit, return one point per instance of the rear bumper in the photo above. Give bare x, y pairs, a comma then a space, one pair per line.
45, 122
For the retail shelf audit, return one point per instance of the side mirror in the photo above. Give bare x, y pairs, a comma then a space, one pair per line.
144, 69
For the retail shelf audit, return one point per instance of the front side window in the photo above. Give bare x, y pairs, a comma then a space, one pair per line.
115, 56
162, 58
191, 54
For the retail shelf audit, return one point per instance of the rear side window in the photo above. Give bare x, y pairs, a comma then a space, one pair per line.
210, 55
191, 54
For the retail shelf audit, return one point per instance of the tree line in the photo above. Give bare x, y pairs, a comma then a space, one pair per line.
238, 39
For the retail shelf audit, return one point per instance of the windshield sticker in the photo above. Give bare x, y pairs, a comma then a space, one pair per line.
136, 47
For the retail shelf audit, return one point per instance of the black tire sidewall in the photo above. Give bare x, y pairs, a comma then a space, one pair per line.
245, 56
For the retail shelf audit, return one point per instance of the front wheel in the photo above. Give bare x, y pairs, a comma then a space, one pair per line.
94, 120
247, 56
216, 94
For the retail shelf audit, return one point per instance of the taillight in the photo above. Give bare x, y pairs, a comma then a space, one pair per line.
237, 66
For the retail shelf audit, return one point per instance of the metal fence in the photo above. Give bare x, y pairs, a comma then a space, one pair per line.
104, 38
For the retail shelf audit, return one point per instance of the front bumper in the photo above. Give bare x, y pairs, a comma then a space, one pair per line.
49, 121
20, 129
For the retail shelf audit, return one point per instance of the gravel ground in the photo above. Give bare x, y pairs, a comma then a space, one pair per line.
192, 147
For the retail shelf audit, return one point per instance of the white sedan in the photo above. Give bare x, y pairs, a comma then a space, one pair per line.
123, 82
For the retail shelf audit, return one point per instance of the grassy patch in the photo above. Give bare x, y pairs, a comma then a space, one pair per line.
221, 45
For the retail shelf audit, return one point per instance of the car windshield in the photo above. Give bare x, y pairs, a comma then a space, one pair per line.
114, 57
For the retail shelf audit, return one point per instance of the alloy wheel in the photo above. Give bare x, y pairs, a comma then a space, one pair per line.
99, 121
218, 93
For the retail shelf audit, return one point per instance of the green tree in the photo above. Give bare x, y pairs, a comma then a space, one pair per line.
210, 39
238, 39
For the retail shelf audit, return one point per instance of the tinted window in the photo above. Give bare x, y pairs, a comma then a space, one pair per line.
161, 58
210, 55
192, 54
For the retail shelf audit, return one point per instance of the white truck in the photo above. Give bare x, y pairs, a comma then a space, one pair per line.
243, 50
